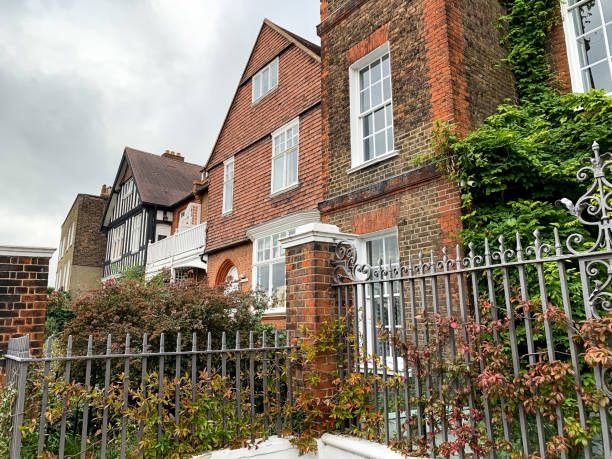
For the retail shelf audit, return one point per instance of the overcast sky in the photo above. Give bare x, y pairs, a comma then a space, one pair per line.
81, 79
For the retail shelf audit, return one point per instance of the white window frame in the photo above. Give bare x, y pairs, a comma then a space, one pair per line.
228, 181
136, 230
286, 185
117, 244
67, 280
186, 217
257, 81
571, 42
363, 301
270, 262
357, 151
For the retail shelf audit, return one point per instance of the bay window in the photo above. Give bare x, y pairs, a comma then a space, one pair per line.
269, 266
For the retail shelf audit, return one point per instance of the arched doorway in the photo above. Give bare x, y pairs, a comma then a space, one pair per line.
227, 274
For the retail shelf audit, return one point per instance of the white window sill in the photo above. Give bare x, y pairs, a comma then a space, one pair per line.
226, 213
284, 190
275, 312
391, 154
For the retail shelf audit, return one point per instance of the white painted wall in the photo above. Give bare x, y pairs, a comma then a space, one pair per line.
329, 447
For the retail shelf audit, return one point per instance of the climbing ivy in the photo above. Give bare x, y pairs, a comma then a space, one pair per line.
528, 24
524, 157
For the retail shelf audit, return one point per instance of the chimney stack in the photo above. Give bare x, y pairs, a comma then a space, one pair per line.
172, 155
106, 191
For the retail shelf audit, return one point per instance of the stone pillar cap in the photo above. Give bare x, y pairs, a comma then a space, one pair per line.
20, 251
315, 232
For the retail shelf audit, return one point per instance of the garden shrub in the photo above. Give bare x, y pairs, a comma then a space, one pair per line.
130, 305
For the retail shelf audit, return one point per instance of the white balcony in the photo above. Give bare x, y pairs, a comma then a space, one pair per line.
182, 249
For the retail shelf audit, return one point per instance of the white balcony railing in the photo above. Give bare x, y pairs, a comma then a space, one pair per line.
189, 240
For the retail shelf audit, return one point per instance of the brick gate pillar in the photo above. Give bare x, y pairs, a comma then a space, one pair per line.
310, 297
24, 274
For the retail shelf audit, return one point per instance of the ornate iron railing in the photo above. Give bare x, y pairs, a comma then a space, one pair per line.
441, 300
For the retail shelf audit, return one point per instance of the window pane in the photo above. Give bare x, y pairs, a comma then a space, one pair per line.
368, 148
377, 94
387, 88
368, 128
379, 142
265, 78
364, 78
607, 12
275, 247
256, 87
375, 71
386, 69
278, 168
266, 248
273, 74
391, 250
227, 195
379, 119
292, 166
375, 251
586, 17
278, 275
263, 277
591, 48
598, 77
365, 100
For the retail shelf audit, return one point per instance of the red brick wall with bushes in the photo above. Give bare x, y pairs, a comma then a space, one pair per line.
23, 299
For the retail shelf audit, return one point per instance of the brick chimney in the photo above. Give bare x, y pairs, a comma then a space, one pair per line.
106, 191
172, 155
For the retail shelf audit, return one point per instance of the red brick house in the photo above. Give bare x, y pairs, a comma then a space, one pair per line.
265, 172
390, 69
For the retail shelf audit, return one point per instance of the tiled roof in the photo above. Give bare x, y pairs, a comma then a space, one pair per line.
160, 180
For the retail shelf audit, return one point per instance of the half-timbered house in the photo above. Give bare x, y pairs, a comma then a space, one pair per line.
140, 208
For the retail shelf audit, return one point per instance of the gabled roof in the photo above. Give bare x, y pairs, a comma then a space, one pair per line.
161, 181
306, 46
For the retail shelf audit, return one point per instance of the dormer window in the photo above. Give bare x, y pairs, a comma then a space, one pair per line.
264, 81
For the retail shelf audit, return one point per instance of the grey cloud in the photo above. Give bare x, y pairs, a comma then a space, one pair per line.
79, 80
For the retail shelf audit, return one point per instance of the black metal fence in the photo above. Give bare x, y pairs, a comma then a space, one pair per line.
252, 388
428, 330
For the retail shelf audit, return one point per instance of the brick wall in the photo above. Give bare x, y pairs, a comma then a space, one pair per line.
219, 262
556, 54
253, 203
23, 295
90, 242
489, 81
311, 301
298, 89
246, 134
